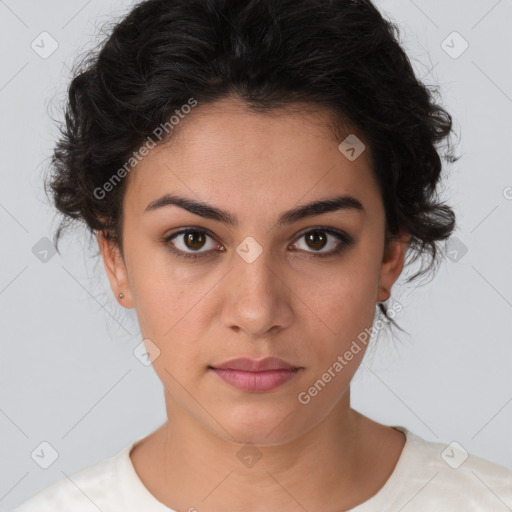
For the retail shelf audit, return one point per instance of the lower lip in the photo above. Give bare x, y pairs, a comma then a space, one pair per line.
255, 381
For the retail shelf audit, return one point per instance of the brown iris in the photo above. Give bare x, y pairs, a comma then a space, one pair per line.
195, 240
314, 238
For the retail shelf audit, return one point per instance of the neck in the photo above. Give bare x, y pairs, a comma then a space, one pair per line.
189, 467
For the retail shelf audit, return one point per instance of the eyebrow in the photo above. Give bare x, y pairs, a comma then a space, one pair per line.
344, 202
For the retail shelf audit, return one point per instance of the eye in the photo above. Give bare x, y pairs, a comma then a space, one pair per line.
182, 242
197, 243
318, 239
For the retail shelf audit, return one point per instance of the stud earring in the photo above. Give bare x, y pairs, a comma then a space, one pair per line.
121, 295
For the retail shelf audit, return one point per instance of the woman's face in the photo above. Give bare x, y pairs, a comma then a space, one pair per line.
259, 286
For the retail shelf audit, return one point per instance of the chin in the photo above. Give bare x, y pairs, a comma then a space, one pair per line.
263, 427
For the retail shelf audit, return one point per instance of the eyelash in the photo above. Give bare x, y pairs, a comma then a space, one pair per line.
345, 241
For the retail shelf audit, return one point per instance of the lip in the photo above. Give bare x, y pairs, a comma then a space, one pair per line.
252, 365
255, 375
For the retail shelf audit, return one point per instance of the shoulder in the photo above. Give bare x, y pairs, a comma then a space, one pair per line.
440, 476
96, 487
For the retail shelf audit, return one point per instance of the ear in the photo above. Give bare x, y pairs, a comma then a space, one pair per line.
392, 264
115, 269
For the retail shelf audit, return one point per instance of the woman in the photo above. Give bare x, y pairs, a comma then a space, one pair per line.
255, 173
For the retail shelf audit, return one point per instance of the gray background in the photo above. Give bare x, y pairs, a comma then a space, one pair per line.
68, 375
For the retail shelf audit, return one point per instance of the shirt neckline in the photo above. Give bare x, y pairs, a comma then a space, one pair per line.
383, 498
138, 497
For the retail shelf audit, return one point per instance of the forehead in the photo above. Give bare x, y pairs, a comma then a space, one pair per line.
226, 152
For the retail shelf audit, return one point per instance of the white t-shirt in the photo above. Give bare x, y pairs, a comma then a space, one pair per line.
428, 477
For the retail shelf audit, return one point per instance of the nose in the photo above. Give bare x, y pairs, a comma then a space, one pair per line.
257, 297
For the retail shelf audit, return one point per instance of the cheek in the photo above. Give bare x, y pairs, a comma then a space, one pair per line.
350, 316
166, 295
351, 305
167, 310
345, 297
173, 314
342, 310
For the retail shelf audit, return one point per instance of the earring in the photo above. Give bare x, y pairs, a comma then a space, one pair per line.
121, 295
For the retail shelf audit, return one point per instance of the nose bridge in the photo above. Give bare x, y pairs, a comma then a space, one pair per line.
253, 268
256, 300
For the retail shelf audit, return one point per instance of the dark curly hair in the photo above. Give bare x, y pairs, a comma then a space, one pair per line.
339, 54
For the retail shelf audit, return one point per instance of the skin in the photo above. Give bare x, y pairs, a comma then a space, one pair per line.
287, 303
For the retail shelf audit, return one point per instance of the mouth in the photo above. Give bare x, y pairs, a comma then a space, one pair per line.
256, 376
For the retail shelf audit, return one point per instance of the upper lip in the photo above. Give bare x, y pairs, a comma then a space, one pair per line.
253, 365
